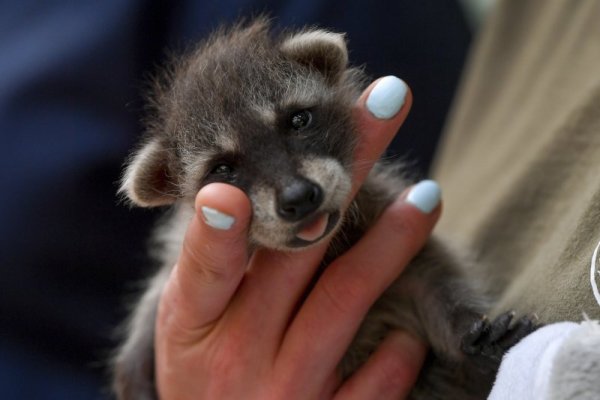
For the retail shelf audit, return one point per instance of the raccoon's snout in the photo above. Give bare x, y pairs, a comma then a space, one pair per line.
298, 199
301, 208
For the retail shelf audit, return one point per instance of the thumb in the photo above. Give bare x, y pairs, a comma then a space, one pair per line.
212, 261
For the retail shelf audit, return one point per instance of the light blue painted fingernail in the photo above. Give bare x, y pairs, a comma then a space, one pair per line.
387, 97
217, 219
425, 195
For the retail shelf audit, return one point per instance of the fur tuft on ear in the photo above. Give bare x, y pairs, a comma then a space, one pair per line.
147, 180
323, 50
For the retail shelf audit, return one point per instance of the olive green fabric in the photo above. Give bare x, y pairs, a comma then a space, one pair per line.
520, 160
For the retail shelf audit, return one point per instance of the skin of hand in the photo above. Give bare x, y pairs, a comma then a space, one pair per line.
234, 326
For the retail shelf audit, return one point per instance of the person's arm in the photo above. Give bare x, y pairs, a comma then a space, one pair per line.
230, 327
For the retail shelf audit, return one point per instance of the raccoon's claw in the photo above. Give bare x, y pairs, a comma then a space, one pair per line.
469, 340
523, 327
493, 339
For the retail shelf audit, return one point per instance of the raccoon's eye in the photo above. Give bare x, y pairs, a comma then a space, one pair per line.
301, 119
222, 169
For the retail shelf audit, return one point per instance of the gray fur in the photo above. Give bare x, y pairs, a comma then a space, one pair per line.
230, 101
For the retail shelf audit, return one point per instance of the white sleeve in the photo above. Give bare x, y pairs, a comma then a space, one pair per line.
557, 362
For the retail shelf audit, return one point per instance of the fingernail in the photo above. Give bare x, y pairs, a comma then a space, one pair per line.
425, 195
387, 97
217, 219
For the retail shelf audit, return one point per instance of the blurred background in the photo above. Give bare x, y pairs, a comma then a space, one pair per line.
71, 78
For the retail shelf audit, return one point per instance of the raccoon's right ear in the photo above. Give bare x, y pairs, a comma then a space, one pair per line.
147, 180
320, 49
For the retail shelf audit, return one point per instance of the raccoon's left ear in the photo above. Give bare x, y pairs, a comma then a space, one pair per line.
325, 51
148, 180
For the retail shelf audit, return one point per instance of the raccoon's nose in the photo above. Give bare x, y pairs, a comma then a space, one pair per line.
298, 199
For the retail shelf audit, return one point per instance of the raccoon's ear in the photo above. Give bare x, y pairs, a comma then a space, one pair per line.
147, 180
323, 50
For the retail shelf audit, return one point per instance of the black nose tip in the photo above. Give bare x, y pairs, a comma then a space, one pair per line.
298, 199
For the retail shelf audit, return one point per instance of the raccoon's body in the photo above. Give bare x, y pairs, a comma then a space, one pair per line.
273, 117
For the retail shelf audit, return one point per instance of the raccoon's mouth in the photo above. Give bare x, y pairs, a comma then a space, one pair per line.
314, 229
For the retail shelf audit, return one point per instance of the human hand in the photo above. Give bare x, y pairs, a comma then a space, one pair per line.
231, 327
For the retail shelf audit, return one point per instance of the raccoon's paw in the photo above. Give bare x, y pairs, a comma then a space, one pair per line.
492, 339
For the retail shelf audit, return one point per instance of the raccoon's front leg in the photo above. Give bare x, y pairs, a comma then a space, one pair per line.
444, 302
430, 299
133, 366
468, 348
451, 312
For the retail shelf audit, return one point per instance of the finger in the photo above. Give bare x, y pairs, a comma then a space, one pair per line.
390, 373
271, 290
211, 264
336, 306
379, 113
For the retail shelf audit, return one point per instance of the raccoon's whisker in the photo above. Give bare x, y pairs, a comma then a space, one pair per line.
364, 161
367, 166
364, 164
390, 157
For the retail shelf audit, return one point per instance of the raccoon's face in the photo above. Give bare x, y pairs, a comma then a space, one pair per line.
270, 116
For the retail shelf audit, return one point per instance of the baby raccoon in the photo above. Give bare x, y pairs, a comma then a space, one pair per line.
272, 116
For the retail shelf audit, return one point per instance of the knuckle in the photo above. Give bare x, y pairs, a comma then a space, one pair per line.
406, 223
225, 362
339, 293
206, 264
227, 357
395, 374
